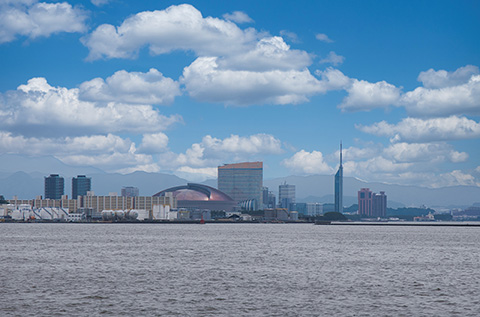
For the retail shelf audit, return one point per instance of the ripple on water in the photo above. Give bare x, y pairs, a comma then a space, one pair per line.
274, 270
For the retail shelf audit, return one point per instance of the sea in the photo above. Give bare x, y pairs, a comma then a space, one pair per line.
68, 269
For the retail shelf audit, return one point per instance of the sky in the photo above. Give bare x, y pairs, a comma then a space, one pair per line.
184, 87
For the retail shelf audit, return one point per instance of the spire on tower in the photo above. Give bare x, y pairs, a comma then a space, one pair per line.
340, 153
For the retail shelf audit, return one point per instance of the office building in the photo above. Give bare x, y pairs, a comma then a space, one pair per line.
286, 196
129, 191
268, 198
379, 205
54, 187
81, 185
339, 185
372, 204
242, 182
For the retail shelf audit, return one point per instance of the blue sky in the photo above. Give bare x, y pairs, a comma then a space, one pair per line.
167, 86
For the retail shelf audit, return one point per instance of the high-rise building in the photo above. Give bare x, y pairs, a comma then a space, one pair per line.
371, 204
339, 185
286, 196
379, 205
81, 185
54, 187
242, 181
365, 202
130, 191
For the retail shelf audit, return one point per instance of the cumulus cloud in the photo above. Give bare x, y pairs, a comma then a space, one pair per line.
207, 82
366, 96
332, 58
432, 79
134, 87
238, 17
40, 109
196, 174
108, 152
179, 27
269, 53
426, 130
153, 143
323, 37
32, 19
450, 100
211, 152
304, 162
333, 79
424, 152
444, 94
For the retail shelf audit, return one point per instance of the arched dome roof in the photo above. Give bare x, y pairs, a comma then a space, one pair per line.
196, 192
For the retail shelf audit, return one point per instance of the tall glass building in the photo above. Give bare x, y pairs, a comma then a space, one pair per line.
339, 185
80, 186
286, 196
242, 181
54, 187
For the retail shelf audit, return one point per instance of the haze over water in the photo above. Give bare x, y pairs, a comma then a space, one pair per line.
238, 270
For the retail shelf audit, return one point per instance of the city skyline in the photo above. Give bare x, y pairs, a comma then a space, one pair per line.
183, 88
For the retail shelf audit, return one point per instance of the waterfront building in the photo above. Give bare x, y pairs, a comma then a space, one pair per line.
242, 181
372, 204
199, 196
365, 202
286, 196
339, 185
54, 187
81, 185
379, 205
130, 191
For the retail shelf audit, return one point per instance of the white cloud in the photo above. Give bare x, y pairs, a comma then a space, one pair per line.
153, 143
108, 152
238, 17
269, 53
332, 58
196, 174
99, 3
207, 82
308, 163
179, 27
31, 19
323, 37
424, 152
442, 78
211, 152
134, 87
366, 96
450, 100
291, 36
333, 79
40, 109
426, 130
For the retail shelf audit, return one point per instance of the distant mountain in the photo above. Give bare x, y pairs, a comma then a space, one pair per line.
29, 183
148, 183
321, 185
44, 165
28, 186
